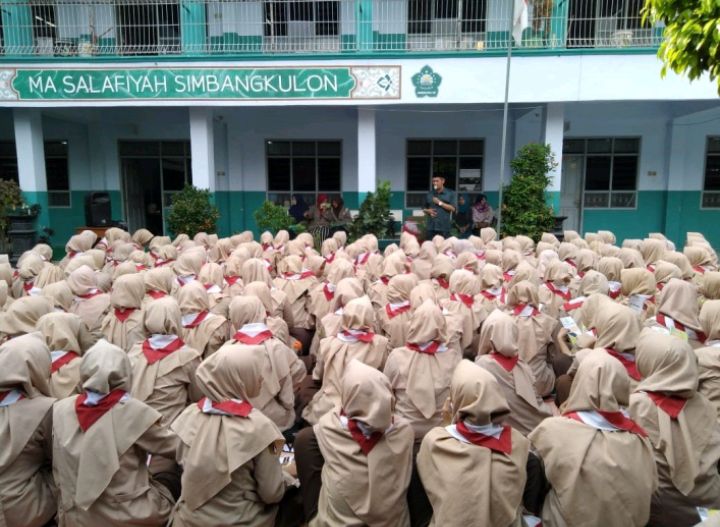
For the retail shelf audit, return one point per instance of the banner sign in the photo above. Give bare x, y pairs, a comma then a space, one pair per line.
142, 84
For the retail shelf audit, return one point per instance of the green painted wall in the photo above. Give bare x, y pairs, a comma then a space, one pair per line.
683, 214
649, 216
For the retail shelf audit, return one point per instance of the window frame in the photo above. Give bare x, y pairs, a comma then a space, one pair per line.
278, 27
66, 157
458, 156
290, 156
612, 155
468, 26
704, 191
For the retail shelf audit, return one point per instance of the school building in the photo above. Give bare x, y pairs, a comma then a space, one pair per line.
263, 99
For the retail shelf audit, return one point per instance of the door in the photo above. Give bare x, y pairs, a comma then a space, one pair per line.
143, 194
571, 191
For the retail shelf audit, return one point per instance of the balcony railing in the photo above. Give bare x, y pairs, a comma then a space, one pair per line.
86, 28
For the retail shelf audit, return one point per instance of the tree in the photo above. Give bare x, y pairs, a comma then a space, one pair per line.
692, 36
192, 211
374, 215
524, 209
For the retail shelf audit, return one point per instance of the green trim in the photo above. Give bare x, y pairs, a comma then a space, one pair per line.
192, 24
363, 24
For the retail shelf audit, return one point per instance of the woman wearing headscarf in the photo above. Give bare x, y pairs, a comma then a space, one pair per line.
322, 294
340, 215
631, 258
6, 298
59, 294
638, 289
394, 317
420, 370
232, 270
202, 330
677, 313
27, 494
709, 355
474, 470
22, 316
67, 338
211, 276
710, 288
463, 216
347, 289
101, 442
482, 218
166, 256
555, 290
76, 246
464, 306
228, 448
664, 272
498, 353
355, 340
163, 365
28, 272
296, 282
652, 251
123, 325
679, 259
681, 425
255, 270
395, 264
298, 208
141, 238
367, 452
537, 333
492, 289
282, 371
91, 304
277, 325
598, 461
440, 272
423, 263
158, 284
187, 266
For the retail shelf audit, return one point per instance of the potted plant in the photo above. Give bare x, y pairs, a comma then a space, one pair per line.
10, 199
192, 211
524, 208
374, 215
274, 218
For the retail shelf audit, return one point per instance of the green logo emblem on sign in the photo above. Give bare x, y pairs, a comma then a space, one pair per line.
426, 82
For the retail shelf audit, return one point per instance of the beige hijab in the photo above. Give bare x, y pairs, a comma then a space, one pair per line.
374, 485
679, 301
23, 314
631, 258
60, 294
449, 468
664, 272
710, 287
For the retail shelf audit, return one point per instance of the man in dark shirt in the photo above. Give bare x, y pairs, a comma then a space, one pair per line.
439, 206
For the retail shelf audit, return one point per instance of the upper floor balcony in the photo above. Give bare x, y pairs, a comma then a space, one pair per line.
87, 29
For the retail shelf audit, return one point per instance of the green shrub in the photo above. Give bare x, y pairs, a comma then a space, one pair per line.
524, 209
10, 199
273, 218
374, 215
192, 211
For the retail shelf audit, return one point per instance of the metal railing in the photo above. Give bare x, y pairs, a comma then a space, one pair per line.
87, 28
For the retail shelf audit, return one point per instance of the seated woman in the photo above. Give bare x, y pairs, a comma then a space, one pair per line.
677, 313
319, 217
228, 449
393, 318
465, 306
27, 495
123, 325
599, 462
22, 316
91, 304
709, 356
474, 470
367, 453
681, 425
340, 216
101, 443
483, 215
202, 330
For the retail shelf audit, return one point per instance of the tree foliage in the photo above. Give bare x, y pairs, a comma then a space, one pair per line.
10, 199
692, 36
192, 211
273, 218
374, 215
524, 209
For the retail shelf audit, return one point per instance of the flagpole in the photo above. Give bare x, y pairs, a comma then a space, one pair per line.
505, 116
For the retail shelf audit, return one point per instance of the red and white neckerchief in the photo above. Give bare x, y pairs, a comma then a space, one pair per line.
509, 275
156, 294
157, 347
193, 320
661, 286
232, 280
560, 290
467, 300
253, 334
73, 254
10, 397
89, 294
607, 421
614, 289
508, 363
16, 274
495, 437
395, 309
361, 433
671, 324
651, 268
329, 291
160, 262
302, 275
495, 294
30, 289
525, 311
385, 280
574, 304
428, 348
91, 406
442, 282
141, 267
356, 335
628, 362
213, 289
123, 313
699, 269
480, 255
227, 408
667, 403
61, 358
362, 259
571, 263
186, 279
330, 258
267, 246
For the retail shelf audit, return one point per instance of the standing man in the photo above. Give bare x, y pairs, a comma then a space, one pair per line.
439, 207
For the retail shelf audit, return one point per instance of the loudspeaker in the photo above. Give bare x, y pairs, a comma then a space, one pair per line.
98, 211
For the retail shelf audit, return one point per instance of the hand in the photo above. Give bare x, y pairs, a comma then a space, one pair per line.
436, 201
291, 468
431, 212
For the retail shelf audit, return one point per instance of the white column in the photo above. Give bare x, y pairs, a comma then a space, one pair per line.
30, 150
202, 148
367, 169
553, 130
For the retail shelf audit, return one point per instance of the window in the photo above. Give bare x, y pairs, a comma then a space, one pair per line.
301, 18
611, 167
43, 26
601, 23
460, 162
307, 168
441, 17
8, 161
711, 184
151, 28
57, 173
